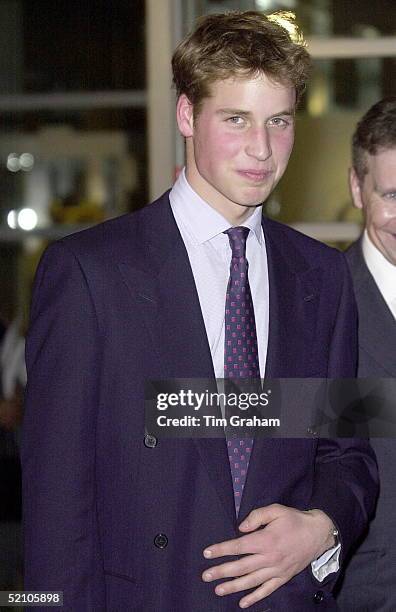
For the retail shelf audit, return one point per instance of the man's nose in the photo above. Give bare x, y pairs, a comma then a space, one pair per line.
258, 144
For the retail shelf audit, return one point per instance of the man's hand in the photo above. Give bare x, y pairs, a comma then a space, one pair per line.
290, 541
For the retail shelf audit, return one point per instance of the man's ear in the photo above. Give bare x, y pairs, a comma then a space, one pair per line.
355, 188
185, 116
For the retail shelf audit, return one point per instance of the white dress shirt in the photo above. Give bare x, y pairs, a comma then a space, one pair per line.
209, 252
383, 272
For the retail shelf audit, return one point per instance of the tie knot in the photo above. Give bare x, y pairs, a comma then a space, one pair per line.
237, 237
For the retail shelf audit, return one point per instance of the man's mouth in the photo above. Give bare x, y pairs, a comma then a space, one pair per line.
256, 176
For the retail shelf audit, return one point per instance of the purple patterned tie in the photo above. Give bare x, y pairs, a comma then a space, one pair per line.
240, 353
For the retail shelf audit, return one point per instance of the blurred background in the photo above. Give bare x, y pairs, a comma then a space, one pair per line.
87, 132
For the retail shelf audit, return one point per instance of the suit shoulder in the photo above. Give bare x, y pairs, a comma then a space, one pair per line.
312, 250
114, 236
354, 255
359, 271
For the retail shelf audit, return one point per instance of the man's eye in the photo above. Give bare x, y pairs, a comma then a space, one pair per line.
278, 122
236, 120
391, 195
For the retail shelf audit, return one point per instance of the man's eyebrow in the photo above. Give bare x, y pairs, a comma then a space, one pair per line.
384, 186
233, 111
290, 112
237, 111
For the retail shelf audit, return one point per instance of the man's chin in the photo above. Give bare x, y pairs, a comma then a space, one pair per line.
253, 204
252, 201
256, 197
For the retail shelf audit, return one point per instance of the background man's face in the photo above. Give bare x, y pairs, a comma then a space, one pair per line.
239, 144
376, 195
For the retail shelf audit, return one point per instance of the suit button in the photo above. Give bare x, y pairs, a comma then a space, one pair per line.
318, 597
150, 441
160, 540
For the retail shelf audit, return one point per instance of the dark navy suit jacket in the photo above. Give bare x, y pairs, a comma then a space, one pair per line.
116, 305
370, 578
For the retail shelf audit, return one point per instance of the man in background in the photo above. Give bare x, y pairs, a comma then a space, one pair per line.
370, 579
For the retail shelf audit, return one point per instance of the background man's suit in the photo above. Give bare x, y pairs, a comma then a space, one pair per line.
369, 583
130, 516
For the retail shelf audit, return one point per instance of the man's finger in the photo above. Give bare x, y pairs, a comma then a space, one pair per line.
248, 544
245, 582
233, 569
263, 591
229, 547
261, 516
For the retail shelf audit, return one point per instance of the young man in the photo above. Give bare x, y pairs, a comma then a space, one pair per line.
370, 577
120, 520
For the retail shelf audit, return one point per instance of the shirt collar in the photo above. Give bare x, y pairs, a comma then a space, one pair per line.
202, 221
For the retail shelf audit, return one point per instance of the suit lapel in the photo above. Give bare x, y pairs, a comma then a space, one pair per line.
378, 333
294, 291
377, 327
160, 278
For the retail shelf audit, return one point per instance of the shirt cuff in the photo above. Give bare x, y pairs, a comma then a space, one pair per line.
328, 563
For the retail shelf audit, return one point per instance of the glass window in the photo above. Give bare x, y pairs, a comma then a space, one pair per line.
315, 186
320, 17
75, 167
66, 45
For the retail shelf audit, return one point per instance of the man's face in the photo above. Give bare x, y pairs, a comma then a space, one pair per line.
376, 196
239, 144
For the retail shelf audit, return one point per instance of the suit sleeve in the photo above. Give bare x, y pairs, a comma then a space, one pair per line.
346, 475
62, 550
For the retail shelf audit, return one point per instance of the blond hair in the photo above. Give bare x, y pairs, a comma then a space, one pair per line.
240, 44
